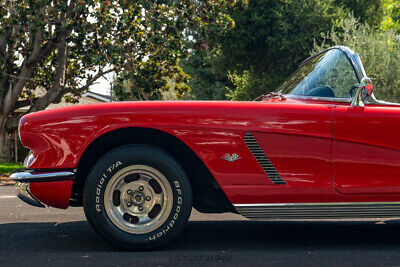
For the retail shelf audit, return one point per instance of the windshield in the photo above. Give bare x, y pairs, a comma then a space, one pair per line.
329, 74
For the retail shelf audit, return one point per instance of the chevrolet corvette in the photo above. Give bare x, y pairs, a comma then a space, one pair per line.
322, 146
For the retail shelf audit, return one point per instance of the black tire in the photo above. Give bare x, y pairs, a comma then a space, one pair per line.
123, 158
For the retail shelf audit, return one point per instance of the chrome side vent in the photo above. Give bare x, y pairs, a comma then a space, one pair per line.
262, 159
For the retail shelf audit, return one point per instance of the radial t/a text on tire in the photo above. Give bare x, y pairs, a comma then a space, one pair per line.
137, 197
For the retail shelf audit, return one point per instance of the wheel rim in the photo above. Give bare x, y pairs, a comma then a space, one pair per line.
138, 199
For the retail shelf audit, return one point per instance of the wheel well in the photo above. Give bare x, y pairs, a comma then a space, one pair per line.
208, 196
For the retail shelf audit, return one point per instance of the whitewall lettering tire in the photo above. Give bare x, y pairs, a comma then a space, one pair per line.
137, 197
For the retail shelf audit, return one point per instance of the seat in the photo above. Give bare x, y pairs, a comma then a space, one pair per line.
323, 91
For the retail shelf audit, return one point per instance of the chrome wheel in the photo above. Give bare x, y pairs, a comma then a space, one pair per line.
138, 199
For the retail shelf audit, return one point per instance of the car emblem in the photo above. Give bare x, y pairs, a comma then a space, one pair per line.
230, 158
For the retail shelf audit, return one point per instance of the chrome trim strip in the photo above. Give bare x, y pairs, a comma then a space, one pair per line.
51, 176
262, 159
314, 204
329, 210
373, 100
330, 99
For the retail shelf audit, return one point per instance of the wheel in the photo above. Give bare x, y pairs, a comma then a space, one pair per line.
137, 197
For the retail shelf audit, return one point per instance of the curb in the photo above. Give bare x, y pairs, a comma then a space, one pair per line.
5, 181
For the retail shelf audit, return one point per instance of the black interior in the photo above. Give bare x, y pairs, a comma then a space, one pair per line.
323, 91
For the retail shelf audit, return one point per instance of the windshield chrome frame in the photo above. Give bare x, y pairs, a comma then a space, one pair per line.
351, 57
358, 68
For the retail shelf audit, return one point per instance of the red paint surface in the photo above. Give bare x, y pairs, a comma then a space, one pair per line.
366, 149
296, 135
54, 194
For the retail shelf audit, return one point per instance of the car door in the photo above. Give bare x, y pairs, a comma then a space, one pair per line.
366, 149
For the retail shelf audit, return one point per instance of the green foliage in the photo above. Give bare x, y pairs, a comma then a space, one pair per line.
391, 20
30, 26
379, 52
65, 46
367, 11
141, 41
271, 38
204, 63
9, 167
152, 56
249, 84
208, 79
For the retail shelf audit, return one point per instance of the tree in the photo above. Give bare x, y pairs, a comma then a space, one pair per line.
268, 42
65, 46
391, 20
195, 25
208, 77
271, 38
366, 11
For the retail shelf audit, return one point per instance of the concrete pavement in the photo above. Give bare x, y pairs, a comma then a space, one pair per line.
35, 236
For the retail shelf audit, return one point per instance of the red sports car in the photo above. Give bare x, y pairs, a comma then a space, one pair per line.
321, 147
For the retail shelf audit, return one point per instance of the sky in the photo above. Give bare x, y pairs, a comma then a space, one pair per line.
101, 87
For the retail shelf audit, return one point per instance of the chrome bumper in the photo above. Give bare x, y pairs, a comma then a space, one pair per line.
25, 195
23, 178
31, 176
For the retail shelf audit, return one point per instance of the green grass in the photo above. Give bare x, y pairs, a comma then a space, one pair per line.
9, 167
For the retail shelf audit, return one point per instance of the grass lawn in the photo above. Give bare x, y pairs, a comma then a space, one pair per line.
9, 167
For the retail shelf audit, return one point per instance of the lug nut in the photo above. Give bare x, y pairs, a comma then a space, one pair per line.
141, 188
129, 204
140, 208
148, 198
129, 192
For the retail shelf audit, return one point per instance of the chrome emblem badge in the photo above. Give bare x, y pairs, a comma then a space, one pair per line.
230, 158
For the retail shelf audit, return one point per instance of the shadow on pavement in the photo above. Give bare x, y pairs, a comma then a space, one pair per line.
209, 236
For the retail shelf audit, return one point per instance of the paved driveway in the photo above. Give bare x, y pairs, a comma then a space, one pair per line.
34, 236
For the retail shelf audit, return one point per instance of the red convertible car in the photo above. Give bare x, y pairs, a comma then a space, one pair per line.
321, 147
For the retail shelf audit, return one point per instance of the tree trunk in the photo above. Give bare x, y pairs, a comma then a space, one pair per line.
5, 142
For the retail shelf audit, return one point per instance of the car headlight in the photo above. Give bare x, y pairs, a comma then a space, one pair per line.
29, 160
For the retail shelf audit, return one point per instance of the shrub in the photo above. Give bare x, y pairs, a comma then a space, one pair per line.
379, 52
9, 167
269, 40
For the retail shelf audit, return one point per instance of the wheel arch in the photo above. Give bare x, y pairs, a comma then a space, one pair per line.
207, 194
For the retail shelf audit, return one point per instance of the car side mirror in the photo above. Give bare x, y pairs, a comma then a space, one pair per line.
364, 90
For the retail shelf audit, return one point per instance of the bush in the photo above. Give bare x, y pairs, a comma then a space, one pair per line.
250, 84
209, 80
270, 39
379, 52
9, 167
367, 11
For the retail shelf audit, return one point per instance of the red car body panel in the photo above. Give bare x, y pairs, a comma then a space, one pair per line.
366, 149
54, 194
297, 136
